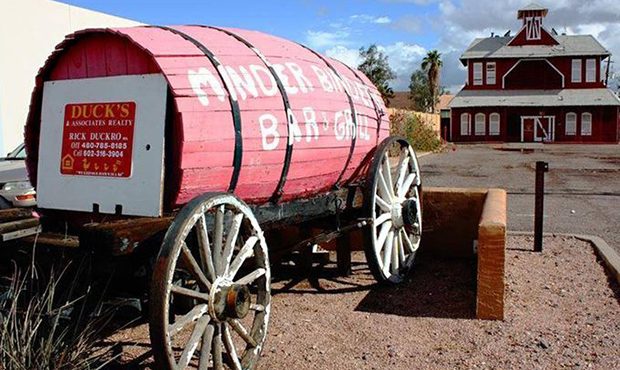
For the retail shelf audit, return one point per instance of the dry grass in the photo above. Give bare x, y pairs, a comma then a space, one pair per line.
44, 326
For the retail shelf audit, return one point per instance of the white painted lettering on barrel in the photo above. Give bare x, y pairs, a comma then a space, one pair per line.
269, 131
204, 77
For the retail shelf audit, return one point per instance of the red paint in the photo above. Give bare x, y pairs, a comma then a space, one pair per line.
545, 39
97, 139
200, 135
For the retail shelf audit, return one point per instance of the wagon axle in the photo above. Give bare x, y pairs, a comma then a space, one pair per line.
229, 301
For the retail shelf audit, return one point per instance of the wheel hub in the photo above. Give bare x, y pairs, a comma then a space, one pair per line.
228, 300
410, 213
397, 215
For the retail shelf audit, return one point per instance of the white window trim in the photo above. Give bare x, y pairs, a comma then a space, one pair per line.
478, 80
590, 70
481, 122
585, 132
492, 81
576, 66
467, 121
572, 132
494, 124
534, 31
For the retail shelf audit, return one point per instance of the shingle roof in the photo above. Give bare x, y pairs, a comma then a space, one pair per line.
534, 98
496, 47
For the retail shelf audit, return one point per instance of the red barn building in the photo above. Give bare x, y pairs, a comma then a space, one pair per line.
535, 86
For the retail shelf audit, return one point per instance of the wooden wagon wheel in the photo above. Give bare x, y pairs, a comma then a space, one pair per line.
214, 257
392, 201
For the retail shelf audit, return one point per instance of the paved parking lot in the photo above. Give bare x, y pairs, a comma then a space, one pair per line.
582, 186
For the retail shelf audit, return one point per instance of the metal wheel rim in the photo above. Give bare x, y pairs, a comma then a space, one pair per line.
393, 247
212, 341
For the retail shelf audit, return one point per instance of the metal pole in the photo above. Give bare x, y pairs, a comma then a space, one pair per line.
541, 168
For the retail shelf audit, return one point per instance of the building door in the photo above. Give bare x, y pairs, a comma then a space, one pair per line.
537, 129
527, 129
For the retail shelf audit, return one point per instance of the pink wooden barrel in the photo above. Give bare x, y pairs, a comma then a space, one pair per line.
248, 112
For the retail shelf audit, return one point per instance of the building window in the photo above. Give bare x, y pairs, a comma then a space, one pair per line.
494, 124
532, 28
477, 74
480, 124
576, 71
465, 124
586, 124
491, 73
590, 70
571, 124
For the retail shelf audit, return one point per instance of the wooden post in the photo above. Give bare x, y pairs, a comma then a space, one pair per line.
343, 254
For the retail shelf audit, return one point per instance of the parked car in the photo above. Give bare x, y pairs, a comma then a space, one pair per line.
15, 188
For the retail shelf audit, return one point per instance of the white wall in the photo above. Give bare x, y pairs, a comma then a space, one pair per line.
29, 31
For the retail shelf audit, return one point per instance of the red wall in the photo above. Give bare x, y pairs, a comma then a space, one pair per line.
545, 39
605, 124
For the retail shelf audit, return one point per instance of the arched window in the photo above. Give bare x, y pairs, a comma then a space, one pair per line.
480, 124
586, 124
570, 128
465, 124
494, 124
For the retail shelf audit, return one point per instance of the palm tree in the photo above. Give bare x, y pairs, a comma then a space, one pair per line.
431, 64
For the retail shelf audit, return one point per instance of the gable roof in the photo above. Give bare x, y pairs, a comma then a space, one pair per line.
535, 98
497, 47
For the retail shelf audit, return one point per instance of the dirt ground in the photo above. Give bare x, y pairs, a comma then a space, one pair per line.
562, 312
582, 186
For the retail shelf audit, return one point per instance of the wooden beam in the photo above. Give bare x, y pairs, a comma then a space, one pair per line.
123, 236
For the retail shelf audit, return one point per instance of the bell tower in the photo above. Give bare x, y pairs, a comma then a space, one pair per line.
532, 16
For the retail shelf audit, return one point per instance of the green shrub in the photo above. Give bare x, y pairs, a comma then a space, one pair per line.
421, 137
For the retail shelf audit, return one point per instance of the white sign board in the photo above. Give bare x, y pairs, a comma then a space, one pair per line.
101, 147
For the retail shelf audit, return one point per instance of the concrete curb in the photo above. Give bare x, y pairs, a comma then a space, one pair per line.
610, 257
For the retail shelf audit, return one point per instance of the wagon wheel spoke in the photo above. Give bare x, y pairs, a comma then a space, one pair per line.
387, 254
393, 204
387, 174
385, 229
194, 268
257, 307
230, 348
210, 288
218, 234
384, 205
189, 293
246, 251
403, 168
242, 332
182, 322
251, 277
192, 343
205, 347
218, 364
205, 247
231, 241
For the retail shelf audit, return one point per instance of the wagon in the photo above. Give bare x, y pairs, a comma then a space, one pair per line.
213, 137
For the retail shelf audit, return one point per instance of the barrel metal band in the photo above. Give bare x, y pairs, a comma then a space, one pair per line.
380, 113
287, 106
236, 113
353, 114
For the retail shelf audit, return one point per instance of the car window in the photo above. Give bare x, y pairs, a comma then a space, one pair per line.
21, 154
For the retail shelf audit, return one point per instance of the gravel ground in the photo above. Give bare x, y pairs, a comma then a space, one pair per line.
582, 186
562, 312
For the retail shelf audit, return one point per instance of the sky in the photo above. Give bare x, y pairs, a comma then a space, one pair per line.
405, 30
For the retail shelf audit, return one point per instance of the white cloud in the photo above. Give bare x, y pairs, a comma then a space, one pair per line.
404, 58
407, 23
348, 56
460, 22
382, 20
365, 18
325, 39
